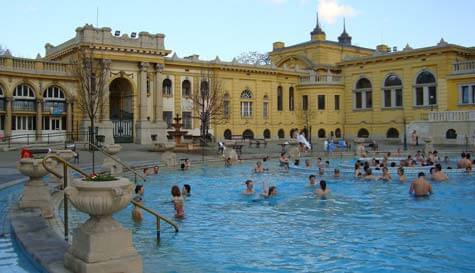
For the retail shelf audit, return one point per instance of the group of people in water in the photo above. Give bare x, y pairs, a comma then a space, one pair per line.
363, 169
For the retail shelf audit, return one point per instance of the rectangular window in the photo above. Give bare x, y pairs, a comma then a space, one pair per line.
46, 123
473, 93
226, 109
358, 100
465, 96
387, 98
369, 99
432, 95
321, 102
419, 96
246, 109
265, 110
279, 101
55, 124
168, 118
63, 123
291, 99
337, 102
398, 97
2, 122
187, 120
305, 103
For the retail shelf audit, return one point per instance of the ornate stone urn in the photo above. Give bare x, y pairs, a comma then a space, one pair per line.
109, 164
360, 149
35, 192
101, 244
67, 155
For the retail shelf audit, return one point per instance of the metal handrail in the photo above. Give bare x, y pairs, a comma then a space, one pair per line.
119, 161
65, 179
158, 217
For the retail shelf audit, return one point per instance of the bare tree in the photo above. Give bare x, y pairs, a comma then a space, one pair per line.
91, 74
208, 101
253, 57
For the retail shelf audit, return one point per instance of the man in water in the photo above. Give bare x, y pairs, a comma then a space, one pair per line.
420, 187
186, 191
438, 174
284, 161
312, 180
461, 163
249, 188
323, 191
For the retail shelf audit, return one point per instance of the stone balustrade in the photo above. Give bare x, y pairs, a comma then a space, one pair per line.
31, 66
464, 67
452, 116
321, 79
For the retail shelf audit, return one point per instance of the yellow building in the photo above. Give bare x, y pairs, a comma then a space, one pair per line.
332, 88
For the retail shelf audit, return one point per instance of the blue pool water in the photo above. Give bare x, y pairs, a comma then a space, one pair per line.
361, 227
12, 259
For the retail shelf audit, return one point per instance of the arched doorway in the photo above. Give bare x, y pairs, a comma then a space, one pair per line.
248, 134
122, 110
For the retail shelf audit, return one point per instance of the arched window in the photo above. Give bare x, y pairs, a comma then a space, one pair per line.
279, 98
363, 94
186, 88
291, 99
265, 107
425, 89
338, 133
392, 133
321, 133
204, 88
246, 103
392, 92
54, 100
266, 134
248, 134
363, 133
227, 134
24, 98
451, 134
281, 133
226, 106
167, 87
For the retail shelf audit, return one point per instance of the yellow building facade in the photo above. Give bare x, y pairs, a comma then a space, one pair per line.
331, 88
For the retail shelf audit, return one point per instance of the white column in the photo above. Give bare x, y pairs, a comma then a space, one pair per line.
39, 119
158, 93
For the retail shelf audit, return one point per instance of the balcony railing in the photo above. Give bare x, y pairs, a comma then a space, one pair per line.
465, 67
322, 79
54, 107
24, 105
13, 64
452, 116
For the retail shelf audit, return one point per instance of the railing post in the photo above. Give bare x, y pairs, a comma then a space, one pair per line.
48, 138
158, 229
27, 139
65, 202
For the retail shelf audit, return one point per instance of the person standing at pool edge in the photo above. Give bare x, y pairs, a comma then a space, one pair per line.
420, 187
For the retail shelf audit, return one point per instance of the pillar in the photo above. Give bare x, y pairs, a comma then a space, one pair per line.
143, 90
8, 117
39, 119
158, 93
69, 118
105, 127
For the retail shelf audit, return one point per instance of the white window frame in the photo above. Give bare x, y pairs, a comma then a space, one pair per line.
393, 90
364, 92
265, 109
471, 94
246, 109
425, 91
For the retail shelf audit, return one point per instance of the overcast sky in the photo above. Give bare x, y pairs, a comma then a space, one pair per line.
229, 27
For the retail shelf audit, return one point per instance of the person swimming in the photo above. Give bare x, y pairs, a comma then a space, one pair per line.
308, 163
336, 173
438, 174
271, 191
386, 175
402, 176
137, 215
249, 188
312, 180
178, 202
323, 191
186, 191
420, 187
259, 168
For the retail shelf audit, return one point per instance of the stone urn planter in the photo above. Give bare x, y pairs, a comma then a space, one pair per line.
109, 164
101, 244
67, 155
428, 147
35, 192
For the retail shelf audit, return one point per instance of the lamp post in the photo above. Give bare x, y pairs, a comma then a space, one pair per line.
431, 102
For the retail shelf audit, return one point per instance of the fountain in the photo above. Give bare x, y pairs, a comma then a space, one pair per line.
178, 134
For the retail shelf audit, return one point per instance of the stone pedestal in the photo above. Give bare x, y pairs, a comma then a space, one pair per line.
145, 129
35, 192
104, 128
428, 147
109, 164
101, 244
